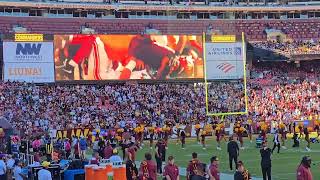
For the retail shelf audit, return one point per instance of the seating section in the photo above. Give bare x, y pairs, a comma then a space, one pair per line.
254, 29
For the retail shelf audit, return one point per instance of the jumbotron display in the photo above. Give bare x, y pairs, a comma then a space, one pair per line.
122, 57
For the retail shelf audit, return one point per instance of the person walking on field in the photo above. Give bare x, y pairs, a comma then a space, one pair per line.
276, 142
233, 151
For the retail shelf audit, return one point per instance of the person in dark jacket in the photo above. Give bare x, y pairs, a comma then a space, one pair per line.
265, 153
241, 173
131, 169
233, 151
160, 154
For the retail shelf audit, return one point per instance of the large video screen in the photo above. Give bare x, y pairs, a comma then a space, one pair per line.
121, 57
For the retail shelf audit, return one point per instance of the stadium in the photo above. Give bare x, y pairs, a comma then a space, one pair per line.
149, 90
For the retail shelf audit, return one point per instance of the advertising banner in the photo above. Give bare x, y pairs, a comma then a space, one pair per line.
224, 60
29, 72
224, 51
223, 38
28, 61
122, 57
225, 69
29, 52
28, 37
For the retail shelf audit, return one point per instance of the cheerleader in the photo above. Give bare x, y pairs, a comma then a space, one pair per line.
139, 135
218, 132
300, 127
239, 130
307, 131
203, 139
197, 127
317, 127
240, 137
151, 138
282, 131
167, 131
183, 139
249, 129
178, 133
263, 131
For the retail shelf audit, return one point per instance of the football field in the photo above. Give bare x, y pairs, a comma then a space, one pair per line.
284, 164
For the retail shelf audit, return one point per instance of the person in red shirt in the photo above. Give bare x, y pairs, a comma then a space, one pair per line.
214, 172
171, 171
303, 171
148, 168
107, 152
95, 159
76, 151
194, 166
132, 151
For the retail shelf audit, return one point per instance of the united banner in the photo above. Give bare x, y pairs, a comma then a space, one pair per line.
121, 57
224, 60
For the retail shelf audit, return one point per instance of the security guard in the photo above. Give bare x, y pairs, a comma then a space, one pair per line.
233, 151
265, 153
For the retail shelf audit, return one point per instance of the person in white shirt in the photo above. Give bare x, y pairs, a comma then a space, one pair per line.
276, 141
17, 172
10, 165
3, 170
10, 162
44, 174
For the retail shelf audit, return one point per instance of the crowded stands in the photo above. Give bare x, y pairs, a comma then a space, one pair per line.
89, 128
290, 48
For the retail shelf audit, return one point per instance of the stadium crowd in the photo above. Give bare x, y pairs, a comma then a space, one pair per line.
37, 108
290, 48
226, 97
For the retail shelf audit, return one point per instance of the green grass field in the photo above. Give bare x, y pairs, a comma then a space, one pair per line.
284, 165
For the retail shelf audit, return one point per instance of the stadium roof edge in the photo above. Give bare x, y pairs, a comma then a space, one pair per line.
144, 7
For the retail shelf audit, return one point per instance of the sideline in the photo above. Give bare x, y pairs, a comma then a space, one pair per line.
223, 176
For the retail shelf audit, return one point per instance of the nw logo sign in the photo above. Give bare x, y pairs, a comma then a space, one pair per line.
225, 67
28, 49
